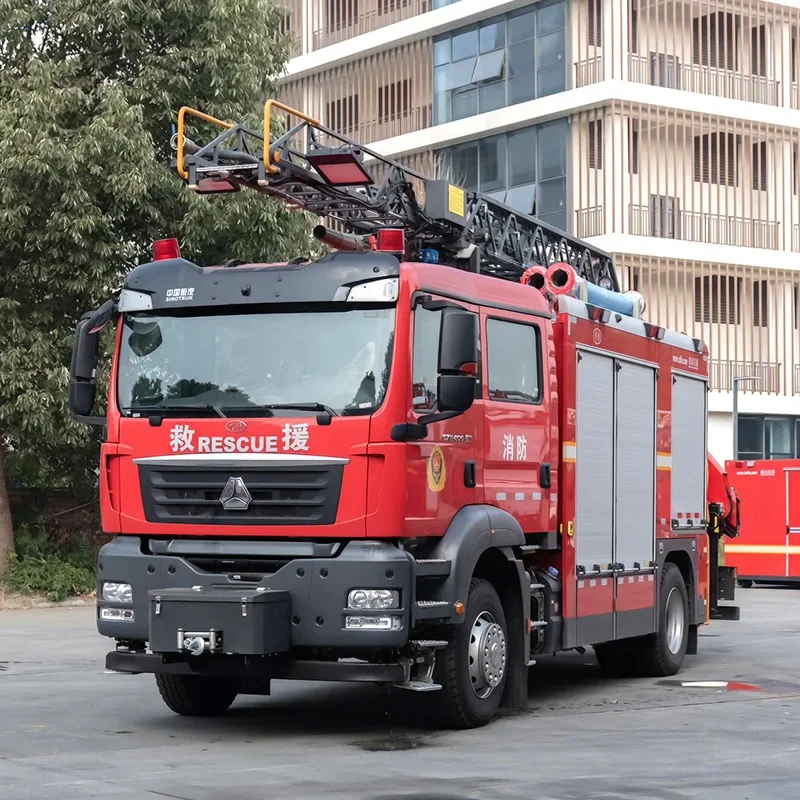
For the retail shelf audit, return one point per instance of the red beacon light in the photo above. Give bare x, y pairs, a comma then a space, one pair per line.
391, 240
165, 248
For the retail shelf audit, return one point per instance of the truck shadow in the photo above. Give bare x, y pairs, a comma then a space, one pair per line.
406, 718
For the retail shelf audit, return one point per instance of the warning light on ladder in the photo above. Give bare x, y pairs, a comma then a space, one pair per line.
164, 249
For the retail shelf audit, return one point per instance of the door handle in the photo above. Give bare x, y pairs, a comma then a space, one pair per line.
470, 478
545, 476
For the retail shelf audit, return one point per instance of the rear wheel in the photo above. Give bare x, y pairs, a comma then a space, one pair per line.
662, 653
472, 669
195, 695
657, 654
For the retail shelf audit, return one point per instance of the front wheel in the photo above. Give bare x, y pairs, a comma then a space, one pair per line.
472, 669
196, 695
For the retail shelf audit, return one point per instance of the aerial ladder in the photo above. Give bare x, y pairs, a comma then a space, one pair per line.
320, 171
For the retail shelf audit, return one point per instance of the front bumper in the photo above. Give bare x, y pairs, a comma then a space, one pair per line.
314, 590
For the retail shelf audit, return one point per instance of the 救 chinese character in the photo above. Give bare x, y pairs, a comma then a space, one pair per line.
180, 438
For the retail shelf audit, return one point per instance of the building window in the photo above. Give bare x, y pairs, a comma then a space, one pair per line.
633, 146
596, 23
633, 31
760, 303
394, 100
500, 62
796, 298
758, 51
717, 299
526, 169
342, 115
760, 166
342, 14
388, 6
596, 144
762, 437
794, 169
715, 159
513, 362
714, 40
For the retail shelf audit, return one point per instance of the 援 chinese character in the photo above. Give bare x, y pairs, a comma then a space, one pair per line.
295, 437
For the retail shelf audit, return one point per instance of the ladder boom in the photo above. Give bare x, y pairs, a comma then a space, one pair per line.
318, 170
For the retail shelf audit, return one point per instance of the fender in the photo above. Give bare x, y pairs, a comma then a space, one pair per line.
471, 532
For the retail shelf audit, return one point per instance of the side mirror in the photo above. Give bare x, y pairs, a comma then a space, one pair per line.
100, 318
85, 352
458, 340
455, 393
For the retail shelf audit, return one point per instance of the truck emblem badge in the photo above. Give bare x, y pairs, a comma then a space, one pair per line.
235, 426
235, 496
437, 471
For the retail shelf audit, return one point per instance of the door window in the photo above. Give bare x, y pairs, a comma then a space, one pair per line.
514, 362
426, 357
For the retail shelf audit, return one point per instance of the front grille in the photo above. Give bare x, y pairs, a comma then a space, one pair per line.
280, 496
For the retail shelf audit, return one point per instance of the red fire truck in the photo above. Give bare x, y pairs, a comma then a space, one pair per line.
768, 548
447, 448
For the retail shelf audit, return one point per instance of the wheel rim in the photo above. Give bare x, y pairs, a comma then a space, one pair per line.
487, 655
675, 621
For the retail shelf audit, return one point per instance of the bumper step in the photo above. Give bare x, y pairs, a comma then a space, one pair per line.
432, 567
431, 609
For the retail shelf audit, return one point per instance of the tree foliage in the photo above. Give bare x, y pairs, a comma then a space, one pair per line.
89, 92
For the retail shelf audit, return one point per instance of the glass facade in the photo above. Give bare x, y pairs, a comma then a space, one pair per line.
500, 62
527, 169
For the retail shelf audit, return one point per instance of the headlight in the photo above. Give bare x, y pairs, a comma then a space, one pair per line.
373, 623
373, 598
117, 614
117, 592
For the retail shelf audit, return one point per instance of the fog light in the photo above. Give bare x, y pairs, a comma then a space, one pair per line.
117, 614
117, 592
373, 598
373, 623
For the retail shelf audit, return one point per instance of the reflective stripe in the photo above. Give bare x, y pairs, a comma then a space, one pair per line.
664, 461
764, 549
570, 452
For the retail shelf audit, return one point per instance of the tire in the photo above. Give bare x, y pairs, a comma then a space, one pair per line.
661, 654
472, 687
195, 695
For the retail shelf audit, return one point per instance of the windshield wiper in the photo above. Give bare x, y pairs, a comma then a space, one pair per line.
155, 409
304, 407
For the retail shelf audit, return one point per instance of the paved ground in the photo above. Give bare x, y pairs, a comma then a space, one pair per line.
67, 730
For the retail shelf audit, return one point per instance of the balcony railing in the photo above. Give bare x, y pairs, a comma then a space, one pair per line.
796, 381
796, 238
697, 226
589, 221
665, 70
336, 20
795, 99
588, 71
721, 374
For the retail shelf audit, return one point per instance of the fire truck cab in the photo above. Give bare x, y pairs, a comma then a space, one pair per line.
375, 467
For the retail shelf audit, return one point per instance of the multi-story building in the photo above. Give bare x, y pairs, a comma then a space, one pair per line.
666, 133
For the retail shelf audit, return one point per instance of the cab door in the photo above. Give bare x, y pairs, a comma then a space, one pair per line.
519, 472
444, 473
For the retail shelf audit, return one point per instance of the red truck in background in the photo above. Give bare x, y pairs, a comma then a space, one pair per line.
447, 448
768, 548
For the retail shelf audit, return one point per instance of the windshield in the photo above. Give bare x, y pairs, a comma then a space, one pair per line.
249, 364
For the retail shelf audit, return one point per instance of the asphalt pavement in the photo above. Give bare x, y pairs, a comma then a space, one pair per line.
70, 731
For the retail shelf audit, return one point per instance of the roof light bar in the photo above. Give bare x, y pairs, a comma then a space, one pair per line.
164, 249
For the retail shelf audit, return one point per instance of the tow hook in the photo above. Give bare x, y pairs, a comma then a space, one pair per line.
198, 642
